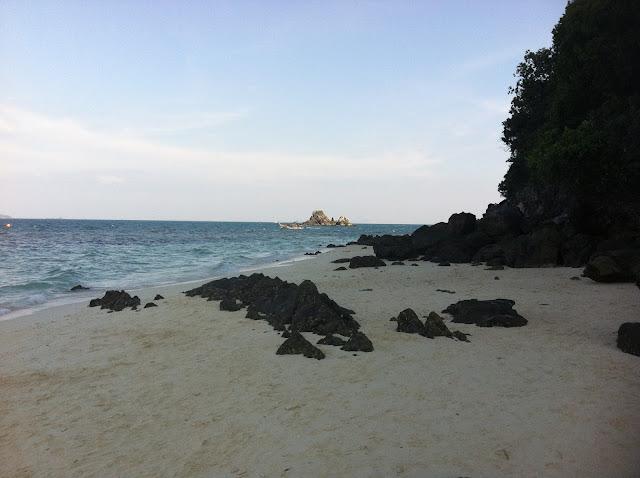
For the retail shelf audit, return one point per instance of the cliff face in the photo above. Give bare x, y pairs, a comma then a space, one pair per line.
319, 218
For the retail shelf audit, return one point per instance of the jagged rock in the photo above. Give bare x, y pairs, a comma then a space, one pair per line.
364, 240
319, 218
614, 266
283, 304
460, 336
79, 287
365, 261
629, 338
501, 220
116, 301
331, 339
486, 313
230, 305
393, 247
358, 342
158, 297
296, 344
343, 221
435, 326
408, 322
149, 304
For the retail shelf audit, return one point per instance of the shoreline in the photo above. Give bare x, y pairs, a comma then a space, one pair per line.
184, 389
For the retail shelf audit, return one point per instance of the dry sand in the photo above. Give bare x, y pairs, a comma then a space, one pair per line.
185, 390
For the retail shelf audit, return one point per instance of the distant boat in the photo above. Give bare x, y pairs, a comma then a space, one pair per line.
290, 226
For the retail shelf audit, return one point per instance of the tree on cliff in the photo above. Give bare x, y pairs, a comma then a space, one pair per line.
575, 116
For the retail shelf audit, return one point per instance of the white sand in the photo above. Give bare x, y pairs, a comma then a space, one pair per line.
186, 390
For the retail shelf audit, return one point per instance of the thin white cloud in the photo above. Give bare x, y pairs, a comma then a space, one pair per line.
110, 179
33, 142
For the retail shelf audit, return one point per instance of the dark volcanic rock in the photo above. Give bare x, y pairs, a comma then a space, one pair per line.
281, 303
296, 344
501, 220
365, 261
341, 268
158, 297
230, 304
486, 313
342, 260
460, 336
435, 327
614, 266
79, 287
629, 338
116, 301
149, 304
331, 339
409, 323
394, 247
638, 280
358, 342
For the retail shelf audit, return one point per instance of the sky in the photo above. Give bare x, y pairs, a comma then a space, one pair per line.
384, 111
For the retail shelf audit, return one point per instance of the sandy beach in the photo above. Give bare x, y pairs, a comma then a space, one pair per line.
185, 390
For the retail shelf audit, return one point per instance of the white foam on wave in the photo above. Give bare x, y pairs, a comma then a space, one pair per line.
36, 299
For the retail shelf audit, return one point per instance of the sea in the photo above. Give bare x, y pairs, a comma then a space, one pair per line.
42, 259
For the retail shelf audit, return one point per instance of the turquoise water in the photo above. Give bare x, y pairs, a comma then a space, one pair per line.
40, 260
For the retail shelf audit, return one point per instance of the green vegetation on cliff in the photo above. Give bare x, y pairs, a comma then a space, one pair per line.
574, 120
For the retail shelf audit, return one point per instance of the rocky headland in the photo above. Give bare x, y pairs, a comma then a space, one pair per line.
540, 228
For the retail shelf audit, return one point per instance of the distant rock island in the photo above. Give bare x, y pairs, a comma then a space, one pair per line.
319, 218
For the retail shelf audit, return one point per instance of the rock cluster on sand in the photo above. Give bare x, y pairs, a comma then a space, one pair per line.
116, 301
319, 218
539, 228
434, 326
287, 307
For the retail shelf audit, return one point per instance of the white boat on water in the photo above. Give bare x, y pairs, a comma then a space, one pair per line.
290, 226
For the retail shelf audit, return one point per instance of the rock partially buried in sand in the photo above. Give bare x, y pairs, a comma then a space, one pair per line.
435, 327
486, 313
358, 342
365, 261
296, 344
116, 301
409, 323
629, 338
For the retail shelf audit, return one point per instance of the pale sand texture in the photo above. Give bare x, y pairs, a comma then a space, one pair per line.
186, 390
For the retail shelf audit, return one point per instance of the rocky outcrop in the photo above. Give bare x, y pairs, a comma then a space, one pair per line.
365, 261
486, 313
319, 218
543, 227
286, 306
116, 301
614, 266
629, 338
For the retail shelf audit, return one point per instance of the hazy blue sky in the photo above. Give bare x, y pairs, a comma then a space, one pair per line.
384, 111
